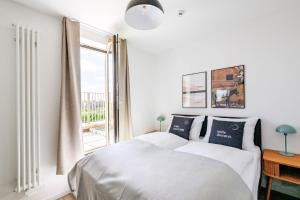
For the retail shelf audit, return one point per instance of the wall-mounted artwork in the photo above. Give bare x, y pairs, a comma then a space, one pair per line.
228, 87
194, 90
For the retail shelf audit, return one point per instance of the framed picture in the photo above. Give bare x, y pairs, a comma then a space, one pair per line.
194, 90
228, 87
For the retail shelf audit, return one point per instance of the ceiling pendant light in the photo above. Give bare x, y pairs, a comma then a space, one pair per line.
144, 14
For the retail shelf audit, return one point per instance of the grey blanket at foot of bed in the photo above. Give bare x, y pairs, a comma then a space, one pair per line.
139, 170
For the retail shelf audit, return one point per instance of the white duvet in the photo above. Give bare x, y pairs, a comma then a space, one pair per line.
245, 163
163, 139
138, 170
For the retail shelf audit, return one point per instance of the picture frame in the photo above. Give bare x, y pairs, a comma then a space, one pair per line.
194, 90
228, 87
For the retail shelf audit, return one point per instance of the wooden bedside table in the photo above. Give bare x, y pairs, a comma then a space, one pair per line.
280, 167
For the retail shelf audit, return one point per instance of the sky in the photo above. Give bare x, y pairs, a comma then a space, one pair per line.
92, 71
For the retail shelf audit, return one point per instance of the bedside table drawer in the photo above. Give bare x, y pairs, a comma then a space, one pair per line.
271, 168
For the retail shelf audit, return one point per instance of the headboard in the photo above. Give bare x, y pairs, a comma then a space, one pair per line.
257, 131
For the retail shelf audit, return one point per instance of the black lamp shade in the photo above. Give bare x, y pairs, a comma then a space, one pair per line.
155, 3
144, 14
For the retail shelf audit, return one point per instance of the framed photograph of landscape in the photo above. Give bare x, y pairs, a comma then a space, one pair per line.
228, 87
194, 90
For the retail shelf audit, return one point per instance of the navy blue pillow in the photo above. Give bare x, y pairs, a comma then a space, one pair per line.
181, 126
227, 133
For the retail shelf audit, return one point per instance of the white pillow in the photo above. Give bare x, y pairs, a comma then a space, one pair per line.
248, 137
195, 128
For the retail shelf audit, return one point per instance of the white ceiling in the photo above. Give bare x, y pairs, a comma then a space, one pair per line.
202, 17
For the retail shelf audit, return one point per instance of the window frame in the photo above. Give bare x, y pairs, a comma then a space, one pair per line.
93, 48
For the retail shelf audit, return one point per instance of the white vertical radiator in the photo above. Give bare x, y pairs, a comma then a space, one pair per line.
27, 107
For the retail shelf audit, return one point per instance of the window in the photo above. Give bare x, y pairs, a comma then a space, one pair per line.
93, 97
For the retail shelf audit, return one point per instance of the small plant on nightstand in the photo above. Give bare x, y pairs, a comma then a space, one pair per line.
160, 118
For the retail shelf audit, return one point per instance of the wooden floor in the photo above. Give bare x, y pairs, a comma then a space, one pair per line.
262, 196
68, 197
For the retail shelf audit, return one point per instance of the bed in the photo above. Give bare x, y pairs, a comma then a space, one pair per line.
164, 166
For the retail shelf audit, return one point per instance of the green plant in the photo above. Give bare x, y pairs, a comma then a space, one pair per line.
92, 115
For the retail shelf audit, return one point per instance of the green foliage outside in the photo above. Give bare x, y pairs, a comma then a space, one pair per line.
92, 115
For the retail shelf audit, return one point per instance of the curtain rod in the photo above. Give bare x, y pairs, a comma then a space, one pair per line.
95, 28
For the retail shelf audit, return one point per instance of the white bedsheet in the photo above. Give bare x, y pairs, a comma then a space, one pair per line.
245, 163
163, 139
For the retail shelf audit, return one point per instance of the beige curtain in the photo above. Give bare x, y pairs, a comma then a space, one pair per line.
69, 143
125, 121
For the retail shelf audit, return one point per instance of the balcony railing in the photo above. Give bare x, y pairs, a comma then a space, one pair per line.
92, 107
93, 120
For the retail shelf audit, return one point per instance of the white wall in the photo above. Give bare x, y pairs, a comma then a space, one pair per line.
142, 91
49, 73
269, 47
